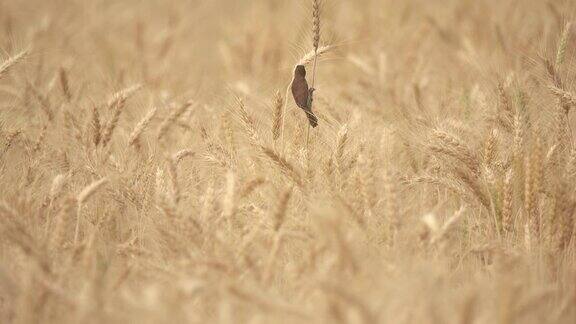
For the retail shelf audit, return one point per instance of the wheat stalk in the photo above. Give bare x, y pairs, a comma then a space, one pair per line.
315, 54
247, 122
140, 127
286, 167
562, 45
172, 118
453, 146
564, 95
341, 141
11, 61
107, 132
182, 154
277, 124
65, 84
82, 198
96, 126
281, 210
229, 199
123, 95
507, 204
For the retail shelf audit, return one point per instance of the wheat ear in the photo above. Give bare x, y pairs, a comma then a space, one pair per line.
315, 43
4, 67
84, 195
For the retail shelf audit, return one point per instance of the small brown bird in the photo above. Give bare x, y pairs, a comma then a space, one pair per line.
302, 94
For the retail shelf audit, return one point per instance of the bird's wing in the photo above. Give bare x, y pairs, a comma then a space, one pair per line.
300, 92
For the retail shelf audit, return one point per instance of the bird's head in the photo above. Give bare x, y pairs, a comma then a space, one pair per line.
300, 70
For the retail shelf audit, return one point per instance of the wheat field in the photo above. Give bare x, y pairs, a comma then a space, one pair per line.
155, 168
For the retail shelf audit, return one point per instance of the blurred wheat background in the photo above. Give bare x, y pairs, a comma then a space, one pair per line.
154, 169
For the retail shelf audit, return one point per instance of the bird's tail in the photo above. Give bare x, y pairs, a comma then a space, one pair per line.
311, 118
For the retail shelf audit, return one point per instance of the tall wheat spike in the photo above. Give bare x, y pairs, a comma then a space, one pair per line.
172, 118
82, 198
315, 44
278, 114
11, 61
562, 45
141, 126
